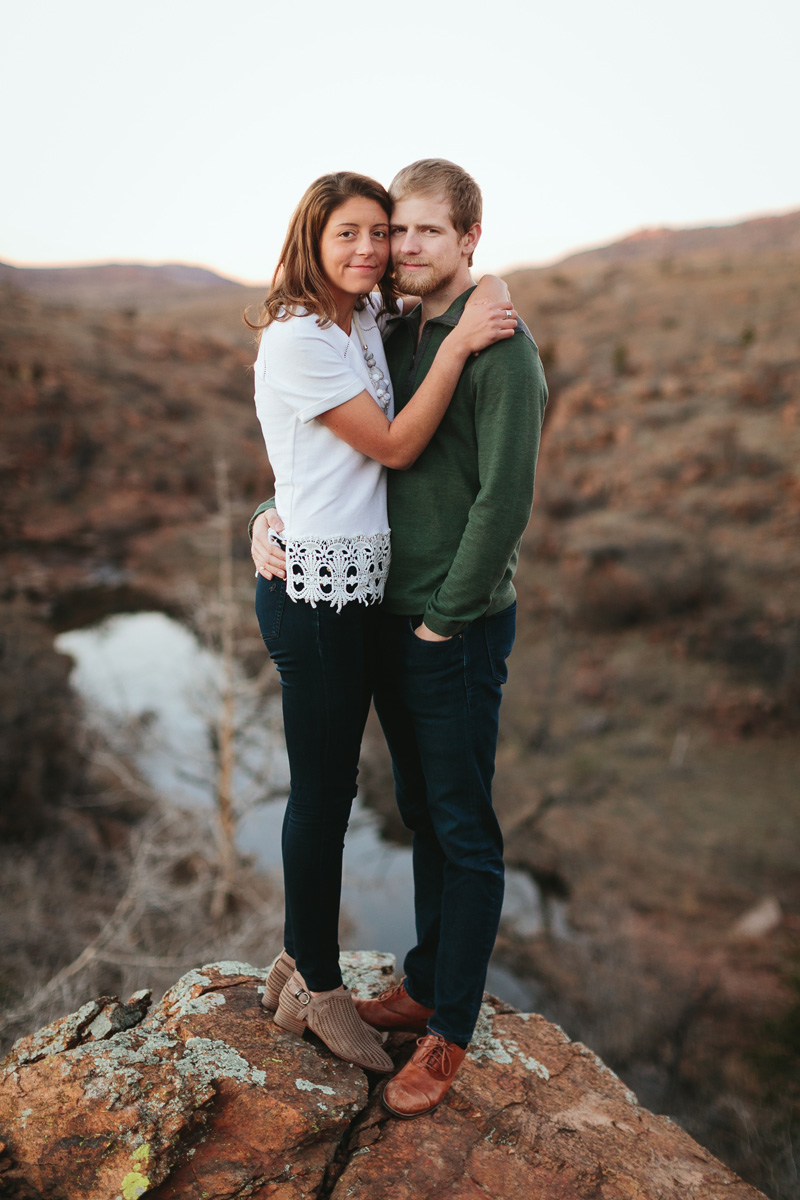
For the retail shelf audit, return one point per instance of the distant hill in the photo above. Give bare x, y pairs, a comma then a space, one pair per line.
115, 283
761, 234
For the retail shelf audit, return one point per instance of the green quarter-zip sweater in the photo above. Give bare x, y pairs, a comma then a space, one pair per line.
458, 514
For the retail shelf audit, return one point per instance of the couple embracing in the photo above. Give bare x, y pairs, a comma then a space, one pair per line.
377, 351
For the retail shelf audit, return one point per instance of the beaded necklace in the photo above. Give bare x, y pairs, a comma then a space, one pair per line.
382, 387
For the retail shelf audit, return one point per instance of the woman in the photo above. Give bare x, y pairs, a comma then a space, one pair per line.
324, 400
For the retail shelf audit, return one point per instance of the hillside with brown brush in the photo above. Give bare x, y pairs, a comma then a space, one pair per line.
669, 483
779, 234
650, 767
648, 771
113, 419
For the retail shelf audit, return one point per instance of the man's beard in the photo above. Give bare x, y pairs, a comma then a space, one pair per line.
415, 283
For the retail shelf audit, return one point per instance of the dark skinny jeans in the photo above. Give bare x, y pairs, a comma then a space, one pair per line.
324, 661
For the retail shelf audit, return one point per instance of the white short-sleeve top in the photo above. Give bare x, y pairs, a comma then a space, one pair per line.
331, 497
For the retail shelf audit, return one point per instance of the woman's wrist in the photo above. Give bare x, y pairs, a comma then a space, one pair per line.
455, 348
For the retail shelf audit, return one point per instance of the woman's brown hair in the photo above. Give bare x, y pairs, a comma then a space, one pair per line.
299, 281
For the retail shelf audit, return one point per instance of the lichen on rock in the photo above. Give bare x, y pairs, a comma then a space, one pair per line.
206, 1097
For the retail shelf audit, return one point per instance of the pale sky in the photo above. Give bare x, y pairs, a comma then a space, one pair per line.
187, 130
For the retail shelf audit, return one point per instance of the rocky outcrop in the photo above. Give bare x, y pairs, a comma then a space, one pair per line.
203, 1097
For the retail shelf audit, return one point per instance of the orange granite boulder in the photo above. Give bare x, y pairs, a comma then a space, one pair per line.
203, 1098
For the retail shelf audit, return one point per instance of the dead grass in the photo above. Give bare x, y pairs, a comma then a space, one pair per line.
96, 907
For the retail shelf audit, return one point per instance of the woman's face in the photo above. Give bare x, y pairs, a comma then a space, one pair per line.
354, 247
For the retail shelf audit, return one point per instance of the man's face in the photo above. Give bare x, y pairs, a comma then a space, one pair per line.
427, 251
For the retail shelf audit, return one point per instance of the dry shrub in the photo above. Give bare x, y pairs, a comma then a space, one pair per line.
762, 650
724, 459
87, 914
621, 571
39, 725
767, 388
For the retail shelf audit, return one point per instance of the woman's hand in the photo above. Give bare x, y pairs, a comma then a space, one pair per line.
484, 322
489, 316
268, 558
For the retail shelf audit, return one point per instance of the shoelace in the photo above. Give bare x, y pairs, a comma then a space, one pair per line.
391, 992
436, 1056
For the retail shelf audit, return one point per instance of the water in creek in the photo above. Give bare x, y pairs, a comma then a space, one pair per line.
147, 676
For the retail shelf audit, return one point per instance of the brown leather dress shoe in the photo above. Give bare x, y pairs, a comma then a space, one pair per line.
395, 1010
425, 1079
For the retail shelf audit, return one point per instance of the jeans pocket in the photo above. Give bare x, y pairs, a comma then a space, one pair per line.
432, 659
270, 599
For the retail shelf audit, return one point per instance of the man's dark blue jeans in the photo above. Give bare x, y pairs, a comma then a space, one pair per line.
323, 657
439, 704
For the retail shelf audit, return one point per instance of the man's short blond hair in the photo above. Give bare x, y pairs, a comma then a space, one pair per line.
439, 177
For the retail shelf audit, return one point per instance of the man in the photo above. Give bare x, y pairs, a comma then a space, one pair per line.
446, 625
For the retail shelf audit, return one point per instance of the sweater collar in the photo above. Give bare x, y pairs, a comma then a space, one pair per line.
450, 317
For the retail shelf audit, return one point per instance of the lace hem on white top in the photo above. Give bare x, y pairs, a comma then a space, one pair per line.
336, 570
